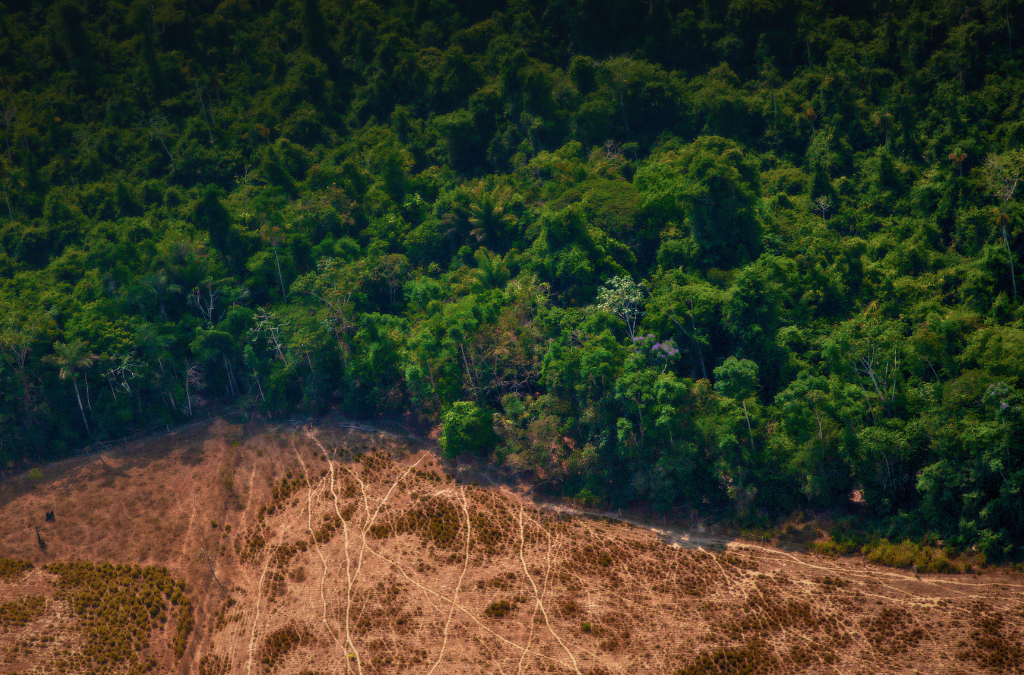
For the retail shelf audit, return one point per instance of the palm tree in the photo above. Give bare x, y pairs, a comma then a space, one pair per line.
488, 216
71, 358
491, 270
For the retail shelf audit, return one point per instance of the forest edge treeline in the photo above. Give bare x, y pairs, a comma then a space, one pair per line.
743, 256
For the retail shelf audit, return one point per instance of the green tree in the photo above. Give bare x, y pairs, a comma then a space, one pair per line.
712, 187
21, 331
212, 217
492, 270
337, 286
756, 308
466, 428
573, 256
870, 353
816, 415
694, 308
737, 379
623, 298
314, 33
71, 40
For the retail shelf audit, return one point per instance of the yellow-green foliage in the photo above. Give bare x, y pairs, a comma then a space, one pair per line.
119, 605
833, 548
12, 568
19, 612
927, 559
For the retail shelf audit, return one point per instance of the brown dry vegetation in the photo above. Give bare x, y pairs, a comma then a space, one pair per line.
301, 550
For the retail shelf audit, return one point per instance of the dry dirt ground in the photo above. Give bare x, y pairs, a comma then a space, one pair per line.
327, 550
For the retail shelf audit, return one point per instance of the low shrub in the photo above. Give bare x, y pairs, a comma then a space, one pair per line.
20, 612
498, 609
213, 664
12, 568
278, 644
119, 607
186, 622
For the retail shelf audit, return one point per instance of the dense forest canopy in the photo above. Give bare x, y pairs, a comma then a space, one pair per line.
741, 256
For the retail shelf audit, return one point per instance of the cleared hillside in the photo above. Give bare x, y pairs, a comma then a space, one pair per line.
328, 550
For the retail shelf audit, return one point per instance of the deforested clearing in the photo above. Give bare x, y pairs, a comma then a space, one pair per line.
302, 549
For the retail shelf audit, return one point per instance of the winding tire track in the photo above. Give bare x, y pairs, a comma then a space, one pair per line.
349, 577
259, 600
536, 593
316, 544
472, 617
458, 585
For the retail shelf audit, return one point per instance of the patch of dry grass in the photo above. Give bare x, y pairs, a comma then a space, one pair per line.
335, 551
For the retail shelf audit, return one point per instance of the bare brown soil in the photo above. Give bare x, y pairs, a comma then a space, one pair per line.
331, 550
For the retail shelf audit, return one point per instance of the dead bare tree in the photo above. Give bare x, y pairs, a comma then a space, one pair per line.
269, 329
204, 299
119, 375
193, 375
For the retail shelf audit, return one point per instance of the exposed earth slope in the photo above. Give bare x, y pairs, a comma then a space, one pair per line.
327, 550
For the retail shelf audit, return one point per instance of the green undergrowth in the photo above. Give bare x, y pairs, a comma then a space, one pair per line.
906, 554
846, 538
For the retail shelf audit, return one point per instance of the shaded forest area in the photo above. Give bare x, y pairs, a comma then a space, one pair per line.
741, 257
